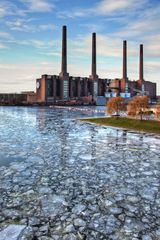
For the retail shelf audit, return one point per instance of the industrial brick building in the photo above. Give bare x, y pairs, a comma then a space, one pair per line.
23, 98
62, 88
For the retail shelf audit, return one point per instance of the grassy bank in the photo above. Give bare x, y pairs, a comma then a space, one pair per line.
131, 124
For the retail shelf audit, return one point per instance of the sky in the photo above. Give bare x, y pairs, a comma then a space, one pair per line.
30, 39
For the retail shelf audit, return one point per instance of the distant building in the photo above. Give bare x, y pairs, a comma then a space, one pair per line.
12, 98
31, 97
61, 88
24, 98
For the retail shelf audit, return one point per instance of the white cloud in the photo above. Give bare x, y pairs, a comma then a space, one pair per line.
107, 46
140, 28
39, 5
144, 30
152, 47
3, 11
22, 25
5, 35
22, 77
39, 44
8, 8
106, 8
3, 46
45, 27
110, 6
74, 13
19, 25
92, 27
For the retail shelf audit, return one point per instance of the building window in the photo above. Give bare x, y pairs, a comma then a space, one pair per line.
65, 89
95, 89
50, 88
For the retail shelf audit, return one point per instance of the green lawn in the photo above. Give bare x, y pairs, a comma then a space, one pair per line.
132, 124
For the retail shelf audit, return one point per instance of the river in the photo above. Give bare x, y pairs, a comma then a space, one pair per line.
61, 178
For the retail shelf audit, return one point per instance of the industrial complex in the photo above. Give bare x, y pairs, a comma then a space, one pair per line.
65, 88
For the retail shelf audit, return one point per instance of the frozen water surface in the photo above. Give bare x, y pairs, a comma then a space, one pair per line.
61, 178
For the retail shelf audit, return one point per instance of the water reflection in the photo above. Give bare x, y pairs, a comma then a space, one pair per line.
124, 134
93, 133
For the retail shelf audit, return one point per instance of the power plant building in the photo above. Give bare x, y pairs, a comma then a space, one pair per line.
62, 88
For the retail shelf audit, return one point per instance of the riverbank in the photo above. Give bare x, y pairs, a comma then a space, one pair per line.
148, 126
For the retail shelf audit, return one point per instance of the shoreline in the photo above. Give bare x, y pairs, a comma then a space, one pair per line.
117, 123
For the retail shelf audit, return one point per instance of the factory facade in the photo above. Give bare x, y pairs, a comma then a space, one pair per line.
63, 88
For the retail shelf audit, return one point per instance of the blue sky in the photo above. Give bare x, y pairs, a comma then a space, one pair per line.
30, 39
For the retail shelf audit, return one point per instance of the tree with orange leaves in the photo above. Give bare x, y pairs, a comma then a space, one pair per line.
115, 105
157, 111
138, 106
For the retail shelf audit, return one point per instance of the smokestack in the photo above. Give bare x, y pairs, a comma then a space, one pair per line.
64, 49
94, 54
64, 76
141, 63
125, 59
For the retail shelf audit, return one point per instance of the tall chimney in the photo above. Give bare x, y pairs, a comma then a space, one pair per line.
64, 76
141, 63
64, 49
94, 70
125, 60
93, 83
